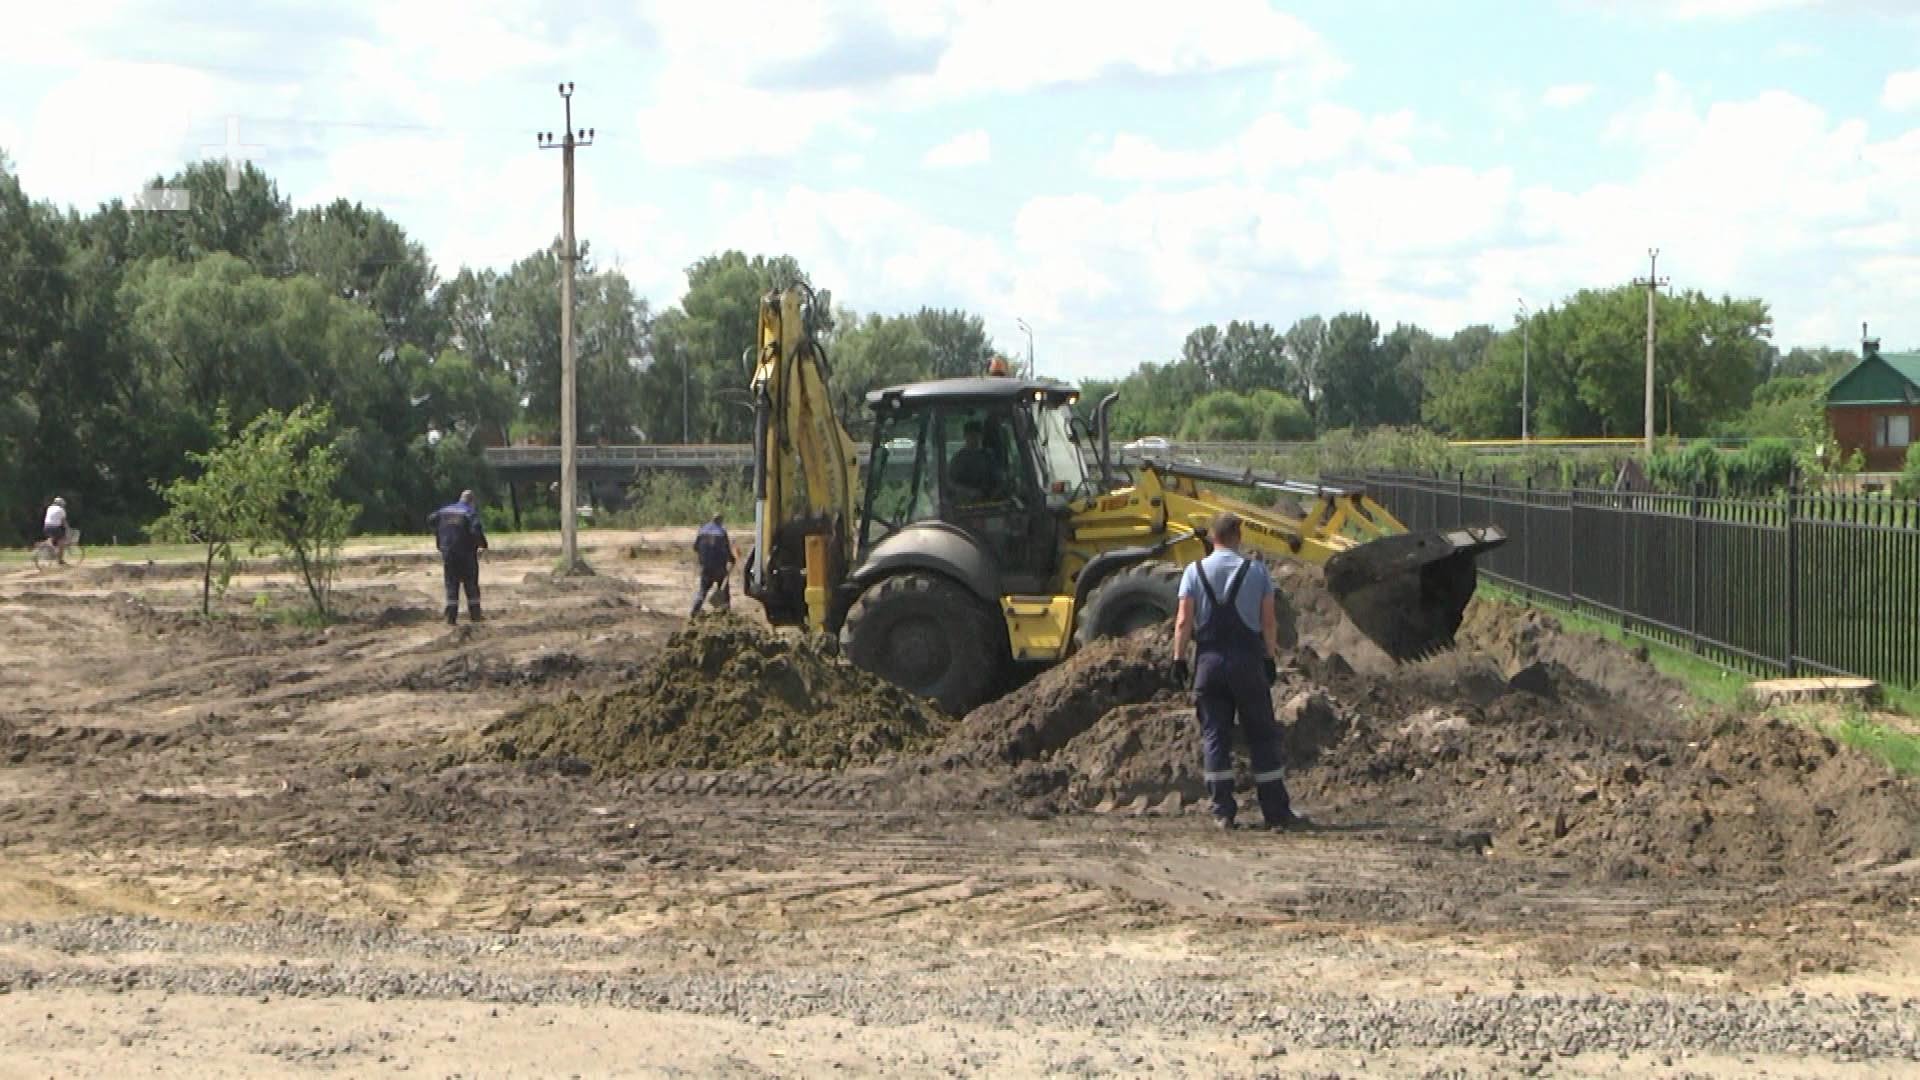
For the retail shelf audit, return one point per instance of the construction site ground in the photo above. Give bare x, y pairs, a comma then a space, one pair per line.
253, 847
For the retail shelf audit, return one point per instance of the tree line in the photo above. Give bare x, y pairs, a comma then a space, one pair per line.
132, 340
1582, 361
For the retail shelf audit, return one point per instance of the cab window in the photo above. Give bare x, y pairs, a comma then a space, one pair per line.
901, 486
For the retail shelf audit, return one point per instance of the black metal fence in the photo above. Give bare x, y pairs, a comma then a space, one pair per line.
1797, 584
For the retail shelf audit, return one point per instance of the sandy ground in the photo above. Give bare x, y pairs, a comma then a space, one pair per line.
250, 848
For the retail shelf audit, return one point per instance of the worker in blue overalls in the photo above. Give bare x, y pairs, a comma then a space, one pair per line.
1227, 609
461, 538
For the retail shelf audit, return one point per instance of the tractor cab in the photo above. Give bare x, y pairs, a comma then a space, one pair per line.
996, 458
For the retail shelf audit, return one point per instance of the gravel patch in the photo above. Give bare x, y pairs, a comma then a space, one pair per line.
1106, 997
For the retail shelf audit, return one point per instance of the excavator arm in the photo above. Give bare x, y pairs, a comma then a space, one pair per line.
1405, 590
805, 468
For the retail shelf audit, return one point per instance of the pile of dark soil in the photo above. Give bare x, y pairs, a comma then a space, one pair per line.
726, 693
1553, 746
478, 671
1552, 765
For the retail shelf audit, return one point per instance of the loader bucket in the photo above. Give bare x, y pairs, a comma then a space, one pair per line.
1409, 592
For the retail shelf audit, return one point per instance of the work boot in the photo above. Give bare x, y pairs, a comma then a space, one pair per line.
1287, 821
453, 615
473, 614
1276, 806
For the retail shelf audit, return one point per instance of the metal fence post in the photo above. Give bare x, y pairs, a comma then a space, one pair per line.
1793, 583
1526, 536
1694, 569
1573, 583
1617, 506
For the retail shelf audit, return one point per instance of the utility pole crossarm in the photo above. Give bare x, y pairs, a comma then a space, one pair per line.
569, 433
1653, 283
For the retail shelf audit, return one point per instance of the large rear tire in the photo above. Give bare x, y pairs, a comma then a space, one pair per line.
928, 636
1142, 595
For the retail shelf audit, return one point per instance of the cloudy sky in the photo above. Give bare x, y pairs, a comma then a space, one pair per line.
1115, 173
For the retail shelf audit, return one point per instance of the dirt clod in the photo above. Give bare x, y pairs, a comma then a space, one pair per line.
725, 693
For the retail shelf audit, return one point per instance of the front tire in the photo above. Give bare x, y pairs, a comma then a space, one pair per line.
928, 636
1144, 594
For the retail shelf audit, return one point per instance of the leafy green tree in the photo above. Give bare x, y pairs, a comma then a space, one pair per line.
958, 342
1282, 418
248, 222
363, 256
1907, 486
703, 347
1588, 368
875, 352
1358, 378
34, 291
1222, 416
614, 340
1818, 361
1205, 350
209, 509
1256, 359
288, 476
1306, 345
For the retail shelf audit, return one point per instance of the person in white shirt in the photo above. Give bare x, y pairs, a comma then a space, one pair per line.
56, 527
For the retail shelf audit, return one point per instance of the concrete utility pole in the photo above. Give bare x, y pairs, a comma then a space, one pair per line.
1526, 365
1029, 333
1653, 283
569, 432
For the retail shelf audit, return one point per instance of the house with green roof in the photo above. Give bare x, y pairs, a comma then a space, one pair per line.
1875, 407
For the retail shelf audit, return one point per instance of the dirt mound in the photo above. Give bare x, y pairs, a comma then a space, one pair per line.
475, 671
1060, 704
726, 693
1569, 772
1545, 744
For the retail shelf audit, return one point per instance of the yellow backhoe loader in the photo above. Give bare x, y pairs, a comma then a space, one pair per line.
995, 530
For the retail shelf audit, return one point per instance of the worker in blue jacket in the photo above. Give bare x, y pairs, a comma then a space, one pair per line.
714, 550
461, 539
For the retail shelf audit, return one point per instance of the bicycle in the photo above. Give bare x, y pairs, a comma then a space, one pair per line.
44, 555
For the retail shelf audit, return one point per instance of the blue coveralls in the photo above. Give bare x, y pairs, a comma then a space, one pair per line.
460, 538
715, 552
1229, 682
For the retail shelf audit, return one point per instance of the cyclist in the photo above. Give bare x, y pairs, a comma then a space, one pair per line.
56, 528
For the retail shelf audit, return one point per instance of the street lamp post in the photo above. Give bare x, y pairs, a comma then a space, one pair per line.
1526, 364
1029, 331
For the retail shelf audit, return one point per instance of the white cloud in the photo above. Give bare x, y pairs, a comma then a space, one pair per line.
1902, 92
58, 34
1273, 143
109, 128
834, 64
967, 148
1735, 10
1768, 196
1566, 95
1010, 46
874, 251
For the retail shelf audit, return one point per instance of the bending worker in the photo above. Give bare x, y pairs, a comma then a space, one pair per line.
457, 532
716, 556
1230, 599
